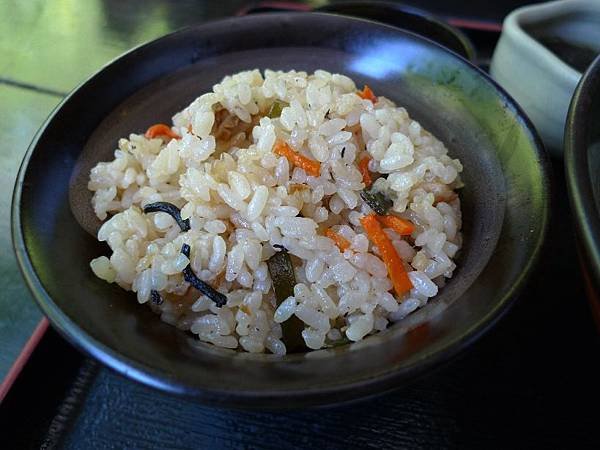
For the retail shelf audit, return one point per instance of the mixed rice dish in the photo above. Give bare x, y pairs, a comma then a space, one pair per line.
280, 212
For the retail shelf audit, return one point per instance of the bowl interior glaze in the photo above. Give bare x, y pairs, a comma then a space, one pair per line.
505, 206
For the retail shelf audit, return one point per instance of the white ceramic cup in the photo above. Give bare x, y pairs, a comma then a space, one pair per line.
536, 77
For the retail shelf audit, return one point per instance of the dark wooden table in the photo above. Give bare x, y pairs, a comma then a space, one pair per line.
531, 382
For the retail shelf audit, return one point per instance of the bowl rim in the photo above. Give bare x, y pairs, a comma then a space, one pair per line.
587, 216
470, 53
514, 26
351, 391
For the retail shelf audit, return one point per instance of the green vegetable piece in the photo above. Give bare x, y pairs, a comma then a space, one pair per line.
275, 110
377, 201
282, 274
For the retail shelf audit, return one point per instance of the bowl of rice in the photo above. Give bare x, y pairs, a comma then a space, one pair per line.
254, 215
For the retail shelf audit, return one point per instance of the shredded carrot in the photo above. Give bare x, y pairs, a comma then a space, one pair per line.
310, 167
446, 197
363, 166
339, 240
367, 94
401, 226
160, 129
394, 264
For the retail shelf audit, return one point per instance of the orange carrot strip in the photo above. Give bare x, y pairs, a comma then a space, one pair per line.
448, 197
363, 166
310, 167
394, 264
160, 129
401, 226
367, 94
339, 240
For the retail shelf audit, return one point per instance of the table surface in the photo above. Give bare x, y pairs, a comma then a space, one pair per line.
530, 382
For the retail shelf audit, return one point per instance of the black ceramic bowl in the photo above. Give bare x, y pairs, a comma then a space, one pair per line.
505, 206
582, 165
408, 18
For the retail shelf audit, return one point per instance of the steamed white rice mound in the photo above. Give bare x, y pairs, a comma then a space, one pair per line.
243, 202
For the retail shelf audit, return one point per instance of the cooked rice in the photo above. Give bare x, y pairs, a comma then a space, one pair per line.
243, 201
